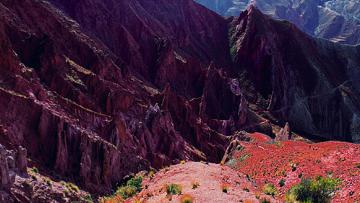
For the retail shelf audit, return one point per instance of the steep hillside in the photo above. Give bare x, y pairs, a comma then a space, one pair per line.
94, 91
312, 84
285, 163
336, 20
72, 103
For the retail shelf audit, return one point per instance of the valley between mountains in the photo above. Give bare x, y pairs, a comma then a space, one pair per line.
167, 101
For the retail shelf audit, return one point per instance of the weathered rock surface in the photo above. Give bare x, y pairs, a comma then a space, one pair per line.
311, 83
96, 90
12, 164
88, 98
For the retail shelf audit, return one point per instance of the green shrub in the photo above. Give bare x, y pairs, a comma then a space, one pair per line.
264, 201
173, 189
34, 170
87, 198
314, 190
135, 182
195, 185
72, 187
187, 199
269, 189
132, 187
282, 183
126, 191
224, 189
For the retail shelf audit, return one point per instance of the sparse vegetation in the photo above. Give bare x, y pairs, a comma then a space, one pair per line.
244, 157
70, 187
47, 181
231, 163
132, 187
126, 191
173, 189
269, 189
240, 148
195, 185
87, 198
111, 199
187, 199
278, 144
248, 177
318, 189
224, 188
34, 170
282, 183
293, 167
151, 174
264, 201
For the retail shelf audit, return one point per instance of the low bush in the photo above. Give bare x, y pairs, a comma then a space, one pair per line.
282, 183
34, 170
195, 185
173, 189
269, 189
187, 199
314, 190
224, 188
264, 201
132, 187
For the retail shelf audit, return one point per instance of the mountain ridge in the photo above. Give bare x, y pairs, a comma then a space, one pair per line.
335, 20
95, 94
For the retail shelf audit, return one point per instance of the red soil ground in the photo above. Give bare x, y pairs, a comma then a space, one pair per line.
266, 161
211, 179
256, 163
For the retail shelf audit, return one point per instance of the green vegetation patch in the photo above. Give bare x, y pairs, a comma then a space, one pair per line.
173, 189
314, 190
132, 187
269, 189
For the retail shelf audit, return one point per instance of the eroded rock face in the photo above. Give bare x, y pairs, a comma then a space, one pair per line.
300, 81
12, 163
96, 90
91, 105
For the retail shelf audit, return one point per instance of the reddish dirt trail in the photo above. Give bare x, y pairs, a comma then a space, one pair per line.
211, 179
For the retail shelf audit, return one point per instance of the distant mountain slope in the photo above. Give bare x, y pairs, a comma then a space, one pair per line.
312, 83
337, 20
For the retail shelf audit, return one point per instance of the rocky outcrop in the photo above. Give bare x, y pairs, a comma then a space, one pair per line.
300, 81
159, 47
284, 133
12, 163
85, 108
